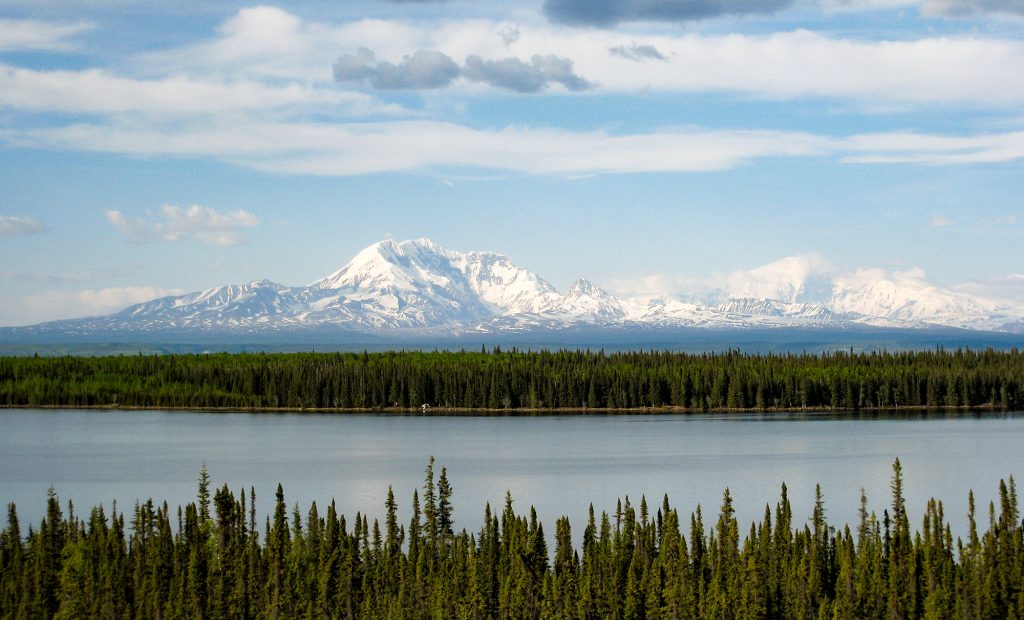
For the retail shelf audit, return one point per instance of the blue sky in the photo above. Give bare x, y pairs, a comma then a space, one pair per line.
651, 145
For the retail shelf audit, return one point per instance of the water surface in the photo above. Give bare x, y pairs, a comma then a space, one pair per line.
560, 464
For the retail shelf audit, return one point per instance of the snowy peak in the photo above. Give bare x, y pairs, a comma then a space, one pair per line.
388, 263
505, 287
419, 285
584, 287
584, 299
907, 295
401, 284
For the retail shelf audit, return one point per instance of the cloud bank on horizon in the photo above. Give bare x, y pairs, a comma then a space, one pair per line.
869, 131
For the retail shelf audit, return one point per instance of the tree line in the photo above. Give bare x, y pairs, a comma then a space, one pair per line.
522, 380
211, 560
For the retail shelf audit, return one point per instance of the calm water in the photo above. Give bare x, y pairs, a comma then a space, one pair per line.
558, 464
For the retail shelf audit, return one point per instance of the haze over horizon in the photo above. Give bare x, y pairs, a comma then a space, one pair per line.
658, 148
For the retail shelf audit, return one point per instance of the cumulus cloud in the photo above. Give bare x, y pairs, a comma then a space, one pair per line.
639, 53
27, 34
514, 74
428, 69
967, 8
422, 70
196, 222
14, 225
604, 13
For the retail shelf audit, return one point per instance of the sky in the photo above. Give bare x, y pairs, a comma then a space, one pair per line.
150, 148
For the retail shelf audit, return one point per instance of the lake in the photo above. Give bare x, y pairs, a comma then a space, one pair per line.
559, 464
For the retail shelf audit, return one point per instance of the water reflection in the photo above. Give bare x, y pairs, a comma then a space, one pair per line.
560, 464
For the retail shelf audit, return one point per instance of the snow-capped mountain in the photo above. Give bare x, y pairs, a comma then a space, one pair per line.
420, 286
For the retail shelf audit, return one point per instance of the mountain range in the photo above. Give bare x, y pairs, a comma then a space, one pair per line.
418, 287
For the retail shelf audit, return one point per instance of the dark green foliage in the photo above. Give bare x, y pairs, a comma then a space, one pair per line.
642, 567
515, 380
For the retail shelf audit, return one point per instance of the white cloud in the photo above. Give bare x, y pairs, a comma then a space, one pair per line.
266, 42
14, 225
27, 34
260, 94
345, 149
364, 148
801, 278
655, 287
801, 64
941, 221
1009, 288
919, 148
95, 91
56, 305
196, 222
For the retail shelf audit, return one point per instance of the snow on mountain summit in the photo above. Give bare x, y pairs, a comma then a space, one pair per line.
586, 299
420, 285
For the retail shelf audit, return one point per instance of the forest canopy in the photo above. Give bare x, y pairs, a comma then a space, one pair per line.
517, 380
211, 559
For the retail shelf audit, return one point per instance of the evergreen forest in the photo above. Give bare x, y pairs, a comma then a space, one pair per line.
517, 380
213, 560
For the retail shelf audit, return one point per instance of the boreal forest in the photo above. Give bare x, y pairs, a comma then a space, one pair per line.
522, 381
212, 559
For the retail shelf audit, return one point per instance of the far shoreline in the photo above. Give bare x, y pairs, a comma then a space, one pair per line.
522, 411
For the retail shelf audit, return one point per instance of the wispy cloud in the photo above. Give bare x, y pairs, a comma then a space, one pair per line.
14, 225
95, 91
941, 221
346, 149
198, 223
917, 148
366, 148
56, 305
28, 35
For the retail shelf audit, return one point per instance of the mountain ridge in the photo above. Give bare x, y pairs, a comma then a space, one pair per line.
419, 286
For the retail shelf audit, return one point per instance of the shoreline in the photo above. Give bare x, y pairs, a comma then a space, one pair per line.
561, 411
